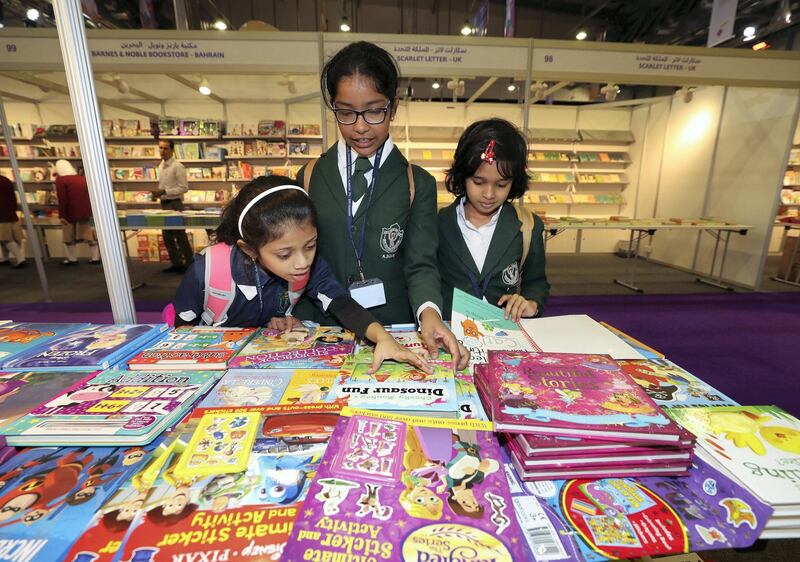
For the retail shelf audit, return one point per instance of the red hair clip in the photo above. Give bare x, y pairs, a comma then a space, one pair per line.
488, 154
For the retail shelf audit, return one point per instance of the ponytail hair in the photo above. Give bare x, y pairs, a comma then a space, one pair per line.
268, 219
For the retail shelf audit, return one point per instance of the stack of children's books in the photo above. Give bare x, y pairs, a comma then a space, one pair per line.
193, 347
88, 348
579, 416
759, 447
306, 346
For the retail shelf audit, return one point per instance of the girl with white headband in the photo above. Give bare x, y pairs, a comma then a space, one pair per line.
270, 232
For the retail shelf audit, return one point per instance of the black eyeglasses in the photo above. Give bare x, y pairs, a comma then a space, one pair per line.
374, 116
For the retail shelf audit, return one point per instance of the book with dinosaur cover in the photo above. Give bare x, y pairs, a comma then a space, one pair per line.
306, 346
112, 408
407, 488
193, 348
91, 348
398, 387
571, 395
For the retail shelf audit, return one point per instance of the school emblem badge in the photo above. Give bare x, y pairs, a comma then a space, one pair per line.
511, 274
391, 238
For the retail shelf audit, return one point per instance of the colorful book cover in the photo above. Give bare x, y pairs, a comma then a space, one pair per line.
669, 385
617, 518
21, 392
758, 445
51, 494
193, 347
646, 351
551, 446
245, 387
249, 513
481, 327
469, 402
571, 394
91, 348
16, 338
398, 387
396, 487
308, 342
119, 407
310, 386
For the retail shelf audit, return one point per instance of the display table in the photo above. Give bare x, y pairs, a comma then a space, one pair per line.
639, 229
785, 276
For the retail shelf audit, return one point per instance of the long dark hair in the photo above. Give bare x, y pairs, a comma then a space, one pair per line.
365, 59
268, 219
511, 155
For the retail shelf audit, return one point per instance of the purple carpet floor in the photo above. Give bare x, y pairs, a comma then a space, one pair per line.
744, 344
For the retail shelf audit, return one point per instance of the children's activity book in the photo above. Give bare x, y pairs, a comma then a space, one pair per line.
759, 445
407, 488
572, 395
669, 385
621, 518
310, 386
481, 327
16, 338
22, 391
398, 387
307, 346
246, 387
112, 408
50, 494
91, 348
193, 347
249, 512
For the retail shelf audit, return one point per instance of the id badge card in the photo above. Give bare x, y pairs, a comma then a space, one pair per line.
369, 293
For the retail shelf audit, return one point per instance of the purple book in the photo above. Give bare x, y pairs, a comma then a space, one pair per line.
635, 517
408, 488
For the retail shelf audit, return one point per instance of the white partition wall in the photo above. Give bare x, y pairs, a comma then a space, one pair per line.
754, 138
649, 128
683, 179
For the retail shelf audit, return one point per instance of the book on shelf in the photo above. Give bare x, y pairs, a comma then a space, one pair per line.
425, 489
111, 408
568, 394
399, 388
90, 348
306, 346
56, 492
616, 518
271, 128
193, 347
303, 130
251, 510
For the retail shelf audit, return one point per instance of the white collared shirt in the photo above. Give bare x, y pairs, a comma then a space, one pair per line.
342, 146
172, 179
477, 238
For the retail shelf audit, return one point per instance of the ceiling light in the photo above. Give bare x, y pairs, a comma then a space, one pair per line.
436, 85
32, 14
761, 45
610, 91
687, 93
466, 29
511, 86
122, 85
749, 33
457, 86
220, 25
345, 25
581, 35
204, 88
1, 25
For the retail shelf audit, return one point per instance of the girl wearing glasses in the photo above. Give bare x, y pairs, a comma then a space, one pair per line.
377, 230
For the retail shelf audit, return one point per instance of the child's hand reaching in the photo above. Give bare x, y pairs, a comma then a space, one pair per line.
386, 347
284, 323
518, 307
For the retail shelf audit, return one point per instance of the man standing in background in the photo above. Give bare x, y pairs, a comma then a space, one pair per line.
172, 184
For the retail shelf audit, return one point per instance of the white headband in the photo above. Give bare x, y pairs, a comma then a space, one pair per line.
260, 196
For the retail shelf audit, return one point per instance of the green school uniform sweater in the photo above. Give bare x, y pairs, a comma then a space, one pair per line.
502, 259
401, 238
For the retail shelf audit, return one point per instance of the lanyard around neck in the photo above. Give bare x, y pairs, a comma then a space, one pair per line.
359, 250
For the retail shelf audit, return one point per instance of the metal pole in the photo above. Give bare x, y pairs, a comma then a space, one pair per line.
32, 236
83, 97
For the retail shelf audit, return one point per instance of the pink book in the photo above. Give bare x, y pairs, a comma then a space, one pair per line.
549, 446
598, 472
652, 458
569, 394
